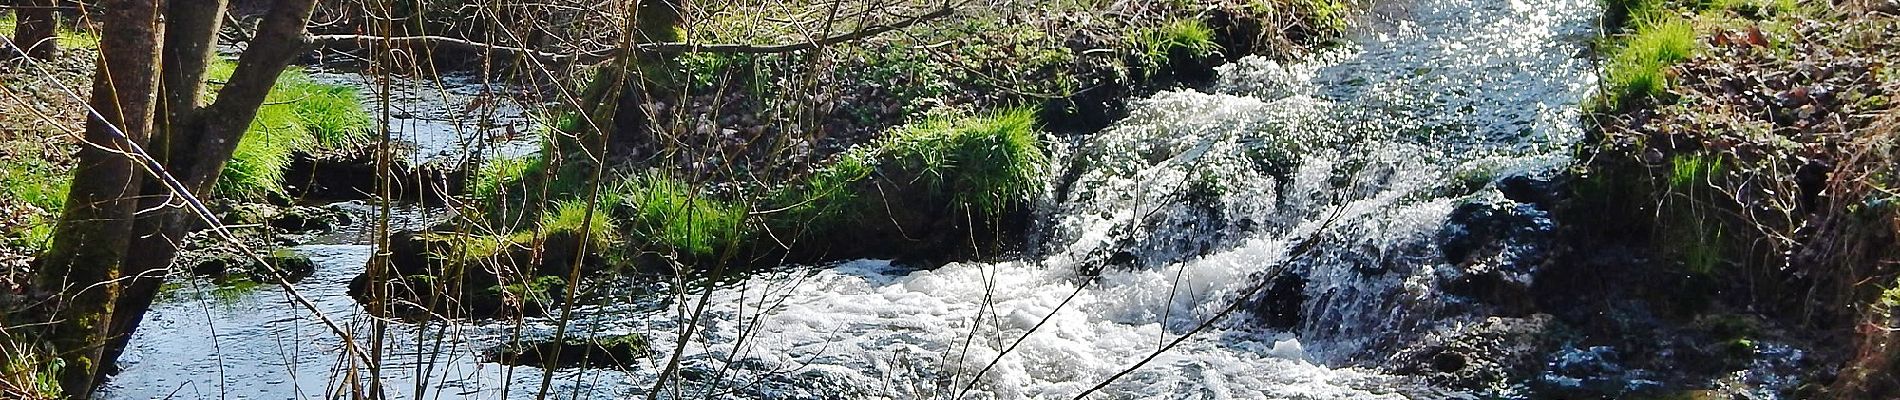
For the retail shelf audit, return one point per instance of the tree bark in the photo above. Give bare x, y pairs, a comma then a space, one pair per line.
36, 28
191, 29
91, 238
204, 138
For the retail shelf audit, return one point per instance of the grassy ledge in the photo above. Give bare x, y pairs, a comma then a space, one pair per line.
1750, 147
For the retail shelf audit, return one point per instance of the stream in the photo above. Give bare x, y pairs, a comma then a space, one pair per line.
1337, 170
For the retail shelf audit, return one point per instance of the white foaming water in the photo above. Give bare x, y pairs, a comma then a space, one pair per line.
1179, 211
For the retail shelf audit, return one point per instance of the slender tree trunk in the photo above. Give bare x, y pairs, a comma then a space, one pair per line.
36, 28
91, 238
204, 138
191, 32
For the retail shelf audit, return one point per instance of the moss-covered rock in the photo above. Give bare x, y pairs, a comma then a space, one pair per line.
449, 274
930, 192
604, 351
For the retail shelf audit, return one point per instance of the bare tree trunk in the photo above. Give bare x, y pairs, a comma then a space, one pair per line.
36, 28
94, 230
203, 138
191, 32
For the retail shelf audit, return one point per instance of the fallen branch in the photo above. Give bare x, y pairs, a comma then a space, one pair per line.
588, 57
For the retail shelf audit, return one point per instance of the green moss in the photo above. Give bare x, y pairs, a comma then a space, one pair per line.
669, 213
1154, 45
538, 289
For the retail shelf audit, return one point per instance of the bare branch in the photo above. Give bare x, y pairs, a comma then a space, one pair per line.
593, 56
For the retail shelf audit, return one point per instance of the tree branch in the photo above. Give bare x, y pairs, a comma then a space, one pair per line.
593, 56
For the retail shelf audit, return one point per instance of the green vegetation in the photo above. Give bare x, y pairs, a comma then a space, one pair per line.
1690, 173
986, 163
299, 115
669, 213
1638, 68
36, 181
69, 36
1154, 45
575, 217
27, 372
978, 164
496, 177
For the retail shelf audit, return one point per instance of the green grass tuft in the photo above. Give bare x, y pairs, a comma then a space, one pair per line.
987, 163
1154, 45
670, 213
1687, 173
27, 178
299, 115
1639, 68
500, 176
570, 217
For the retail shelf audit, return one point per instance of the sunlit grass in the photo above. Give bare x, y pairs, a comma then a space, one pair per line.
1640, 67
299, 115
1153, 45
673, 214
69, 36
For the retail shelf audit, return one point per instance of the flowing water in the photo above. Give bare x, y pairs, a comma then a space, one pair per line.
1155, 228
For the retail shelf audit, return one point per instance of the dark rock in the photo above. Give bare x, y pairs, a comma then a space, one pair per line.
355, 177
606, 351
293, 266
1278, 306
1495, 247
226, 264
304, 219
1478, 356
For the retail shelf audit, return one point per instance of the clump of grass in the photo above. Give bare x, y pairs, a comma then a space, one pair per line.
1687, 172
669, 213
299, 115
497, 177
986, 163
1639, 68
29, 178
983, 165
256, 168
572, 217
1154, 45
